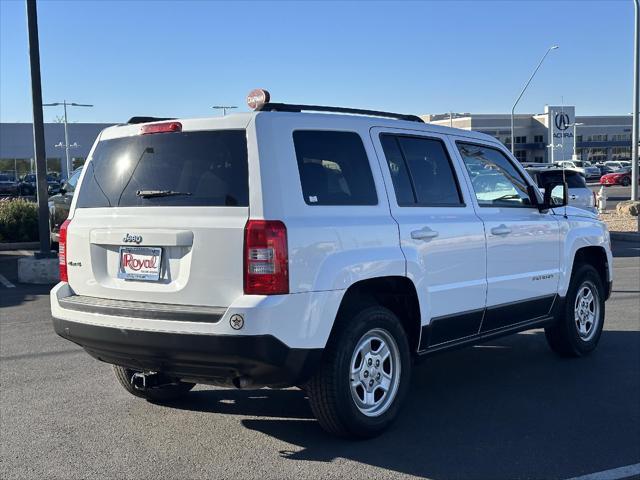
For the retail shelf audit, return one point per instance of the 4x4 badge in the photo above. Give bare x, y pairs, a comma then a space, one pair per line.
128, 238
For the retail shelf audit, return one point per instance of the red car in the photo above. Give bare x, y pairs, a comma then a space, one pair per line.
621, 177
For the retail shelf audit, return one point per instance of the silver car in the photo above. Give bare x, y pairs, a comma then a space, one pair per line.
586, 169
580, 195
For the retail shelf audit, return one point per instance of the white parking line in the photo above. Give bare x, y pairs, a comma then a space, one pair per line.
614, 474
6, 282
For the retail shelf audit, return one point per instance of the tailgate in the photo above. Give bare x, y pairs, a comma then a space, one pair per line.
200, 261
160, 217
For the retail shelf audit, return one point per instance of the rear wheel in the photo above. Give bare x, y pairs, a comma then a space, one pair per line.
364, 375
171, 391
625, 182
578, 331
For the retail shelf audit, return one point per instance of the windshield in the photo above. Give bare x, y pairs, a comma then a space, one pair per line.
208, 168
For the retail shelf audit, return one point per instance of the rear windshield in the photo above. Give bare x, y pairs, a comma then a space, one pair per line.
574, 179
168, 169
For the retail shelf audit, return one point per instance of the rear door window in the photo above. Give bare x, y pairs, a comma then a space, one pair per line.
204, 168
334, 168
421, 171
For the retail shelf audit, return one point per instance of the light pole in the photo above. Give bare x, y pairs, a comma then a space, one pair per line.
38, 130
552, 147
554, 47
574, 125
224, 108
636, 107
68, 167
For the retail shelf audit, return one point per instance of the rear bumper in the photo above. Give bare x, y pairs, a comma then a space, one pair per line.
279, 343
263, 359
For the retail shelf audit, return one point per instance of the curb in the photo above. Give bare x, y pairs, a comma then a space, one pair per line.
20, 246
625, 236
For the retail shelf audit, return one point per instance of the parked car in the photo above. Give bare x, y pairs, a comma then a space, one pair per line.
586, 169
8, 184
614, 166
60, 203
321, 250
620, 177
580, 196
28, 184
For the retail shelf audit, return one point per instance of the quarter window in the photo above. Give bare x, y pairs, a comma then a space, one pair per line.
495, 180
421, 171
334, 168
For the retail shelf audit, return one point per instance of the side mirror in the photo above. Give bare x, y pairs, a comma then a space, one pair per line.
556, 194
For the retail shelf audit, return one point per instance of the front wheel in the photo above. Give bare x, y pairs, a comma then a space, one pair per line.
578, 330
364, 375
625, 182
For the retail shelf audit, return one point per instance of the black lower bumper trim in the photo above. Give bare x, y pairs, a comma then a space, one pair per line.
218, 358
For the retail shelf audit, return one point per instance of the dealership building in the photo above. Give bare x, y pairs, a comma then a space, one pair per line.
549, 136
544, 137
16, 145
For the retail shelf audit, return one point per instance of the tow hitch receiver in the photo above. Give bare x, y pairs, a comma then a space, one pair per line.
149, 380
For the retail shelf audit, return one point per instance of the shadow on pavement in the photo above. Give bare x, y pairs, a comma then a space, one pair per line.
625, 249
506, 409
22, 293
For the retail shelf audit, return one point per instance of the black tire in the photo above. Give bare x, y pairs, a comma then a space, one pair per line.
330, 391
564, 336
625, 182
160, 394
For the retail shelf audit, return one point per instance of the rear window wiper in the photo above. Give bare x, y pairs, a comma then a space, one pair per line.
159, 193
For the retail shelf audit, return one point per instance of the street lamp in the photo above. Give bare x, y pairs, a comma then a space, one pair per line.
224, 108
554, 146
68, 166
636, 107
574, 125
554, 47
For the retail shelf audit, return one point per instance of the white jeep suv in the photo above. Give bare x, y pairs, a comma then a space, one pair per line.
326, 251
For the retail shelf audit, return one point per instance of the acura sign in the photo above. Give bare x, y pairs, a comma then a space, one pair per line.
560, 120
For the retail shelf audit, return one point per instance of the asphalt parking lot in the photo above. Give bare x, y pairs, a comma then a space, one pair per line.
506, 409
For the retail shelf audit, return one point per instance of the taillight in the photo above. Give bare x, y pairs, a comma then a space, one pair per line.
161, 128
266, 260
62, 251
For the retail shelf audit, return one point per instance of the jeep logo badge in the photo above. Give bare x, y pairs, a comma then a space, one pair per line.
128, 238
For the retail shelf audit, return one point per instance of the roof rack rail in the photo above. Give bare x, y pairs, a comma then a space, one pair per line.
287, 107
134, 120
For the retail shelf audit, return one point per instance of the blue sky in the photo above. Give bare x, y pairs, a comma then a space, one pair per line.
179, 58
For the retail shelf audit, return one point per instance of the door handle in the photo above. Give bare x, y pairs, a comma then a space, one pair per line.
501, 230
573, 196
425, 234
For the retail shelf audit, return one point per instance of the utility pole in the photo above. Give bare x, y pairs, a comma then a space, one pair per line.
38, 130
66, 172
224, 108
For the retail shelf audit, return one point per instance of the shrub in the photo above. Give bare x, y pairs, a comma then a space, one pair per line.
18, 221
